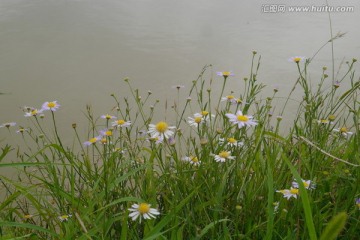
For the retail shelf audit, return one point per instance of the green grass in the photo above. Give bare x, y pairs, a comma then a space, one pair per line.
235, 199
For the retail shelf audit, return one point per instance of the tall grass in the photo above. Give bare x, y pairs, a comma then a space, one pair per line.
85, 191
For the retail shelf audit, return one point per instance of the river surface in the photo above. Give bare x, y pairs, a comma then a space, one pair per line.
79, 51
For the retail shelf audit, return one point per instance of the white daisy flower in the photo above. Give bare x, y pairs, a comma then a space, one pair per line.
22, 130
323, 121
288, 193
106, 132
344, 131
196, 121
64, 218
161, 129
240, 119
104, 141
142, 210
157, 140
8, 124
107, 116
92, 141
33, 112
230, 99
53, 106
308, 184
192, 160
232, 142
206, 116
223, 156
121, 123
225, 74
296, 59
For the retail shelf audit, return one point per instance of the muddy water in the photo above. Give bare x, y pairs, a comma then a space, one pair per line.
79, 51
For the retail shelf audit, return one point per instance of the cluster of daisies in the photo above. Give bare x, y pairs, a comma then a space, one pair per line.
46, 106
343, 131
107, 132
34, 112
294, 189
201, 118
162, 131
239, 119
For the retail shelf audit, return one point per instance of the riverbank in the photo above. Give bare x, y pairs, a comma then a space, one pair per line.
222, 168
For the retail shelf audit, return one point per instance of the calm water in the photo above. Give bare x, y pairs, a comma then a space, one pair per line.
79, 51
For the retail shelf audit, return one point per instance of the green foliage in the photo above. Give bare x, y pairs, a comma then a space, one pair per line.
333, 229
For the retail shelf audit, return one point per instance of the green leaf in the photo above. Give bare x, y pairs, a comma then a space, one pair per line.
21, 164
304, 199
5, 151
334, 227
29, 226
209, 226
154, 232
9, 200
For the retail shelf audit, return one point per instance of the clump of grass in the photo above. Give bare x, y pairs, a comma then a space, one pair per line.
221, 168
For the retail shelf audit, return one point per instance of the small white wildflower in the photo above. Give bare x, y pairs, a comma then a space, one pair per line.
142, 210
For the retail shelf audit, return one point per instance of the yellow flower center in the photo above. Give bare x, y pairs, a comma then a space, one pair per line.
231, 140
204, 113
242, 118
230, 97
51, 104
224, 154
120, 122
108, 133
93, 140
194, 159
34, 112
197, 120
107, 116
324, 121
144, 208
332, 117
226, 74
306, 184
297, 59
64, 217
103, 140
28, 216
161, 127
294, 191
343, 130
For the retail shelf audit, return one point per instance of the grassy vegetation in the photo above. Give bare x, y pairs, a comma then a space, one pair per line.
223, 168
